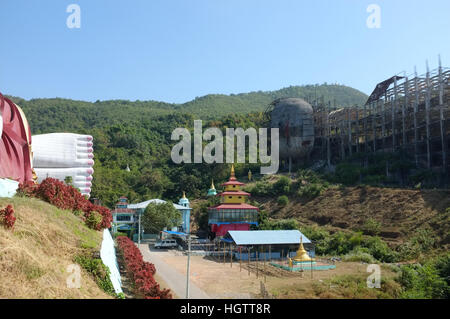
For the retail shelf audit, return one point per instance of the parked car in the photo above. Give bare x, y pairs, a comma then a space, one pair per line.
166, 243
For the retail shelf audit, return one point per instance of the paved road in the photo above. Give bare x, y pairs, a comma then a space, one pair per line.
174, 279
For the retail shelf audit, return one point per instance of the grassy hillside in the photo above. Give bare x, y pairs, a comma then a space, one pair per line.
138, 134
34, 256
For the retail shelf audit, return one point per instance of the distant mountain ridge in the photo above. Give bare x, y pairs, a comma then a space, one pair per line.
48, 114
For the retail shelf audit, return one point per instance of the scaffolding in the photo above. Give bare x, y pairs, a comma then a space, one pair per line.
411, 114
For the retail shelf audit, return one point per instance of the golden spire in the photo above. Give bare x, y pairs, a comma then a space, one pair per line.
232, 171
184, 195
212, 184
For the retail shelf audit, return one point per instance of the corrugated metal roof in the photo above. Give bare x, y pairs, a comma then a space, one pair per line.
267, 237
144, 205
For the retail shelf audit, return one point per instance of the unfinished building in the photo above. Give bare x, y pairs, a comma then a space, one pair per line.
404, 113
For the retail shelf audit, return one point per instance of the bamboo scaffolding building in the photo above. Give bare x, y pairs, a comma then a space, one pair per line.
409, 114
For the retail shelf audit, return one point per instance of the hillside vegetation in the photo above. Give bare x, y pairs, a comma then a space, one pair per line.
396, 215
138, 134
34, 256
49, 114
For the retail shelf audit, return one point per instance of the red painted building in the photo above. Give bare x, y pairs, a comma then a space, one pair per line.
233, 213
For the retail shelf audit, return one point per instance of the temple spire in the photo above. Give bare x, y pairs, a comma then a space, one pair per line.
232, 172
212, 191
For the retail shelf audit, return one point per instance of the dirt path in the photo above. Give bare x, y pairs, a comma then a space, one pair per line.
174, 279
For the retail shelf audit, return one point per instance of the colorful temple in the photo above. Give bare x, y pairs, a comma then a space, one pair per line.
233, 213
126, 216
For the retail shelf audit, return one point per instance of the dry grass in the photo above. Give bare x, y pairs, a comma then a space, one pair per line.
399, 211
34, 256
348, 280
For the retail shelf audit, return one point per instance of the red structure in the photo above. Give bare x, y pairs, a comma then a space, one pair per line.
232, 213
15, 143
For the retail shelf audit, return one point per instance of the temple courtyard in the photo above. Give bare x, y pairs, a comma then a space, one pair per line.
214, 278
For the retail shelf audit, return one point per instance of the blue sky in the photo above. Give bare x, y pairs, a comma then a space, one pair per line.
173, 51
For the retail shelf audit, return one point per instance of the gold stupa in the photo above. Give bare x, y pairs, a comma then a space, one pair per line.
302, 254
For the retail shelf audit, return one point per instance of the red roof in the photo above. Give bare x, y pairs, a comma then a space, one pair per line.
233, 193
230, 182
234, 206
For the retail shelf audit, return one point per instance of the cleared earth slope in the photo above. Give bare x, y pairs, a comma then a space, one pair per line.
34, 256
399, 212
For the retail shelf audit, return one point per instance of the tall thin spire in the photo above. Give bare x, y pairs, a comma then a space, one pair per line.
212, 184
232, 171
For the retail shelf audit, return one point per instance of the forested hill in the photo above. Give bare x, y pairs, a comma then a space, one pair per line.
138, 134
48, 115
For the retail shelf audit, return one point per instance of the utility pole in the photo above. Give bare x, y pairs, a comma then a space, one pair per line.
188, 262
139, 235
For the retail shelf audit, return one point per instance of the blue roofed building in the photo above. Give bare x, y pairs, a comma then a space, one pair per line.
266, 244
126, 216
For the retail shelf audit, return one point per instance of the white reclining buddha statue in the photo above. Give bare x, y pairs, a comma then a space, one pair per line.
57, 155
60, 155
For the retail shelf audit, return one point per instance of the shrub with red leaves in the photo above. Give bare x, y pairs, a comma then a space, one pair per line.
105, 212
7, 217
139, 271
28, 189
65, 196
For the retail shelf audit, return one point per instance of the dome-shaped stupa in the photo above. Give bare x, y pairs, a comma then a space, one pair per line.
184, 201
212, 191
294, 118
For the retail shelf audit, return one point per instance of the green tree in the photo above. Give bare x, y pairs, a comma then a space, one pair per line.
158, 216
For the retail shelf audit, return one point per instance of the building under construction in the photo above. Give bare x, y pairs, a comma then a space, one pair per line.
404, 113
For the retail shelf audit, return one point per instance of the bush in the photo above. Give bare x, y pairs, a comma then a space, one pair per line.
339, 244
279, 224
27, 189
260, 189
117, 234
423, 238
139, 271
308, 176
7, 217
380, 250
98, 270
347, 174
93, 220
281, 186
311, 191
408, 251
353, 244
359, 254
65, 196
423, 282
283, 200
319, 236
371, 227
